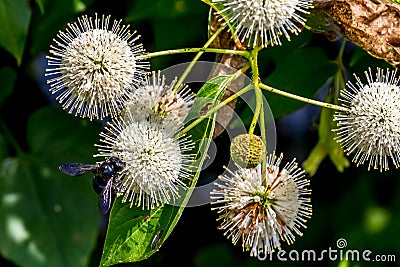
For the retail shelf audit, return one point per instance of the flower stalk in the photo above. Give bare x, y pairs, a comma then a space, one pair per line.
258, 93
302, 99
245, 54
215, 109
199, 54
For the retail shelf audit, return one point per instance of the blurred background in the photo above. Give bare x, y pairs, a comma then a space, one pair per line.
50, 219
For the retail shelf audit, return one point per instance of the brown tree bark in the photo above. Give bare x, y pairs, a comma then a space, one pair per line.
372, 25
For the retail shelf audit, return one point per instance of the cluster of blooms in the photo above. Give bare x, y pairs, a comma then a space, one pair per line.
98, 73
144, 138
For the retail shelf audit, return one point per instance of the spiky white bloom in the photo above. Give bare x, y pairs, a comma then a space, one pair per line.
158, 101
263, 209
371, 126
264, 21
94, 68
156, 162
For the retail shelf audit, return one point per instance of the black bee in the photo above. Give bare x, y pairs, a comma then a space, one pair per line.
105, 182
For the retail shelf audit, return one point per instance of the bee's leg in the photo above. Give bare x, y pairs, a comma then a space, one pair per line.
117, 187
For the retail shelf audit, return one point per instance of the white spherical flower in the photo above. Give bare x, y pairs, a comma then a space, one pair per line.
156, 162
158, 101
371, 126
264, 21
263, 209
94, 67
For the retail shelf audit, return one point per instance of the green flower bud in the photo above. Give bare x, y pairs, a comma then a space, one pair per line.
247, 150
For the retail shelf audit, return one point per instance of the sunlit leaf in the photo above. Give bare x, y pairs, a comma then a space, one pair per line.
48, 218
132, 231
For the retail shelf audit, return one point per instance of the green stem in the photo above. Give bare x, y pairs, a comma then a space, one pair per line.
339, 81
258, 111
245, 54
302, 99
193, 62
215, 108
264, 139
339, 59
11, 140
257, 90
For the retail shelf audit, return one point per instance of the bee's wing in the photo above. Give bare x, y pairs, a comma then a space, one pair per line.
76, 169
105, 197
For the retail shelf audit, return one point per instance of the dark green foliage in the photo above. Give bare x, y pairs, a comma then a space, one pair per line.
48, 218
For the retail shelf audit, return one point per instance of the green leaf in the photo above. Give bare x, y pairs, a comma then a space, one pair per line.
41, 4
301, 71
70, 137
168, 19
326, 144
317, 155
131, 231
49, 218
318, 21
14, 20
361, 60
3, 148
7, 78
216, 8
322, 149
168, 33
78, 5
58, 14
165, 9
396, 1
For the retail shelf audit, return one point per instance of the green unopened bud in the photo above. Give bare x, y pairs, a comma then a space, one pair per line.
247, 150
